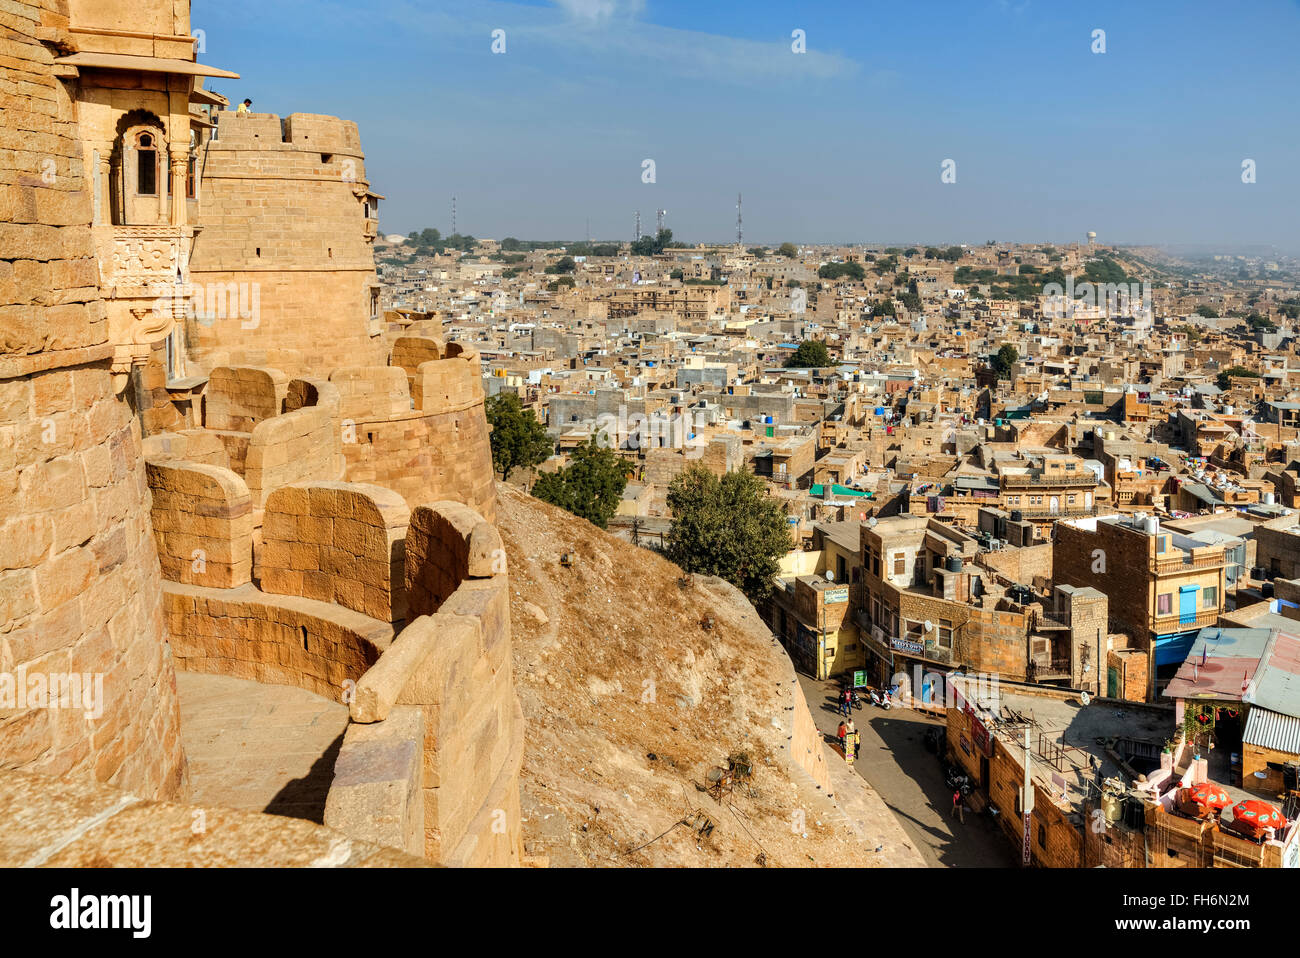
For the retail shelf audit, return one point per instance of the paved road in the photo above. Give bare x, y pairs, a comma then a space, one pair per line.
895, 763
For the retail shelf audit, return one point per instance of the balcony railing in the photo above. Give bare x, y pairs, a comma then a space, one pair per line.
1175, 622
1043, 669
1057, 482
1187, 563
1067, 513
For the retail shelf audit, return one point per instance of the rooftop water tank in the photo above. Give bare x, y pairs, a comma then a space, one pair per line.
953, 563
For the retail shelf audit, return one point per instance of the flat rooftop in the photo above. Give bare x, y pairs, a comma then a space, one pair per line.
1068, 739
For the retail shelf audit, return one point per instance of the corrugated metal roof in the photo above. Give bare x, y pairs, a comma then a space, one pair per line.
1277, 682
1272, 730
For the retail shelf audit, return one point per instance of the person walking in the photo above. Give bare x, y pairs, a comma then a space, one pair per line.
843, 730
846, 700
958, 808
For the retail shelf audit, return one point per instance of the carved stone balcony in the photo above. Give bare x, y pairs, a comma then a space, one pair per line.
144, 272
142, 257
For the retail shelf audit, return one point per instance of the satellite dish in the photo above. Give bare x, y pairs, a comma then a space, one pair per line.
929, 626
1084, 698
830, 576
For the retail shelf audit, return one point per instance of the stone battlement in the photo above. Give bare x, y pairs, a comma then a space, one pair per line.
302, 132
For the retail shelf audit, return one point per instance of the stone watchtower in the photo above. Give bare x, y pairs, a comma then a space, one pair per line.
283, 263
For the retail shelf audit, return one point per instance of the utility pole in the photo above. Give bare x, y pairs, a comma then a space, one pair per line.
1027, 801
453, 216
740, 223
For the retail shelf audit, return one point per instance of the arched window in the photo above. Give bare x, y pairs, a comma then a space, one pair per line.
146, 165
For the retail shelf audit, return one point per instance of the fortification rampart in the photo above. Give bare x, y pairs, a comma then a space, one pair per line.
288, 221
79, 573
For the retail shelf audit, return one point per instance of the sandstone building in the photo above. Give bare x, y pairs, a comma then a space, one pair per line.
280, 494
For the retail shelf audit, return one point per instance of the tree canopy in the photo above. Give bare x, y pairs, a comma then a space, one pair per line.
788, 250
1004, 359
653, 245
811, 354
590, 486
727, 527
1223, 380
517, 438
840, 270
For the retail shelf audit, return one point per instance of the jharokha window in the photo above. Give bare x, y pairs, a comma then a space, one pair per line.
146, 165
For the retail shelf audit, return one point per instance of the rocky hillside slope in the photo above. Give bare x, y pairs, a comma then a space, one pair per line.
630, 700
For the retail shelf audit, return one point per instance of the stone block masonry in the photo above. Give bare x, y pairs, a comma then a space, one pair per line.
431, 444
279, 640
79, 572
284, 210
202, 524
337, 542
452, 663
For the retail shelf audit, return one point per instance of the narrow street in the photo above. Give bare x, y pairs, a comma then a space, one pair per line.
894, 761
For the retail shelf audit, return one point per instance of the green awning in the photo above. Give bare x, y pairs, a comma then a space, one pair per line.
838, 490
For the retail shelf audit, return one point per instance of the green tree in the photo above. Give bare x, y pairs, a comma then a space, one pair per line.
517, 438
727, 527
1238, 372
811, 354
590, 486
1004, 359
840, 270
653, 245
788, 250
1209, 312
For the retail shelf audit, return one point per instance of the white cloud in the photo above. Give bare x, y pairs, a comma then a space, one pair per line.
600, 11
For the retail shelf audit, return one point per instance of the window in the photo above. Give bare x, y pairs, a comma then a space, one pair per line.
1164, 603
189, 180
900, 564
1042, 836
1210, 597
945, 633
146, 166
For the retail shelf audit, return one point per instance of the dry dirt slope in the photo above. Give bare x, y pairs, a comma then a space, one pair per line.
629, 702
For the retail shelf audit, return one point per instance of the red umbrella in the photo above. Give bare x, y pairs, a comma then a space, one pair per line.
1258, 814
1209, 795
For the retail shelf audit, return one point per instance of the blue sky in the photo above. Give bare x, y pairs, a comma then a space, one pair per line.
844, 143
